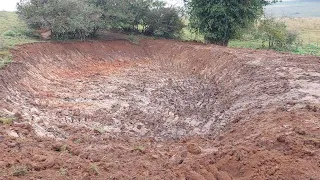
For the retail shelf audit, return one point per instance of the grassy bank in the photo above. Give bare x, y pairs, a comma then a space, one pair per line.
305, 49
12, 32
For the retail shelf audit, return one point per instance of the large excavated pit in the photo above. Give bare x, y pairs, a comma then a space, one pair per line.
164, 90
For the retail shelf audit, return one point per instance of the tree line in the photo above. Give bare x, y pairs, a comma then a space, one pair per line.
218, 20
83, 18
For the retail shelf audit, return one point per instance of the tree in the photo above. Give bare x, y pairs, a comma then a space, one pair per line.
152, 16
163, 22
221, 20
116, 13
65, 18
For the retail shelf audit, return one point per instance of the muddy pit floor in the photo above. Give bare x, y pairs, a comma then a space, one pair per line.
159, 110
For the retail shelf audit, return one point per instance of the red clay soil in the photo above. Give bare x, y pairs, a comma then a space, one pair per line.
159, 109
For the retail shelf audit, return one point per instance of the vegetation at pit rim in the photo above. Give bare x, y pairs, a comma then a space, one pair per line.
219, 21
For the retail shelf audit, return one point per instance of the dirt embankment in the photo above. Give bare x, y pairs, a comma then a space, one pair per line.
161, 110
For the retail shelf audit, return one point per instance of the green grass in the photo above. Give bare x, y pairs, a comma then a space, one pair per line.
305, 49
311, 49
252, 44
188, 35
7, 120
12, 32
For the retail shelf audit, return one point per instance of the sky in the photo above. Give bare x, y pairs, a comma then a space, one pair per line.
10, 5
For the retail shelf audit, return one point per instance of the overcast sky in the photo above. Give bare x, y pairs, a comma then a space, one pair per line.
10, 5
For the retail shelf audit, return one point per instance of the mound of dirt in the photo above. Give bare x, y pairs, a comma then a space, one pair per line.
159, 109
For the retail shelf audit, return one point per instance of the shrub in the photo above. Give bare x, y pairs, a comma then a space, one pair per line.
163, 22
276, 34
10, 33
65, 18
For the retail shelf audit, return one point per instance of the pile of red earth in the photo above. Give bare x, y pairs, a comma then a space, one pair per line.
158, 109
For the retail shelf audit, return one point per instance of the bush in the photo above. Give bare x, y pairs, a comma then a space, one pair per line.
10, 33
65, 18
82, 18
163, 22
277, 35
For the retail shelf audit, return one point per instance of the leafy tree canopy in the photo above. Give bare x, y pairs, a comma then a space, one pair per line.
221, 20
82, 18
65, 18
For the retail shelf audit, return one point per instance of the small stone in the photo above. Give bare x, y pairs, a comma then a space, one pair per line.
12, 144
18, 116
154, 156
2, 164
56, 147
281, 139
194, 149
221, 175
13, 134
300, 131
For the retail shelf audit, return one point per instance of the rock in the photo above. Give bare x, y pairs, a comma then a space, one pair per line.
194, 149
56, 147
154, 156
94, 157
18, 116
49, 163
221, 175
12, 133
2, 164
34, 111
45, 34
281, 138
194, 176
206, 174
12, 144
212, 169
300, 131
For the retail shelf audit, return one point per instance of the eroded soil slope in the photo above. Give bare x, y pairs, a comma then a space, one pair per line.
159, 110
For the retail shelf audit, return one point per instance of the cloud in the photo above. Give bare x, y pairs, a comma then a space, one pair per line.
8, 5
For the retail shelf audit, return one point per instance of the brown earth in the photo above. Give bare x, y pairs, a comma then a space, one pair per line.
159, 109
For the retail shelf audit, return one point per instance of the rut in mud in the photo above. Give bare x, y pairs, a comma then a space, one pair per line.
158, 89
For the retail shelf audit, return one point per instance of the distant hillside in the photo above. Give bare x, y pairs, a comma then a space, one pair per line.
295, 8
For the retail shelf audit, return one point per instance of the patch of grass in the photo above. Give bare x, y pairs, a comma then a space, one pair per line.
7, 120
189, 35
311, 49
12, 32
139, 149
78, 141
94, 169
19, 171
252, 44
63, 172
99, 130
